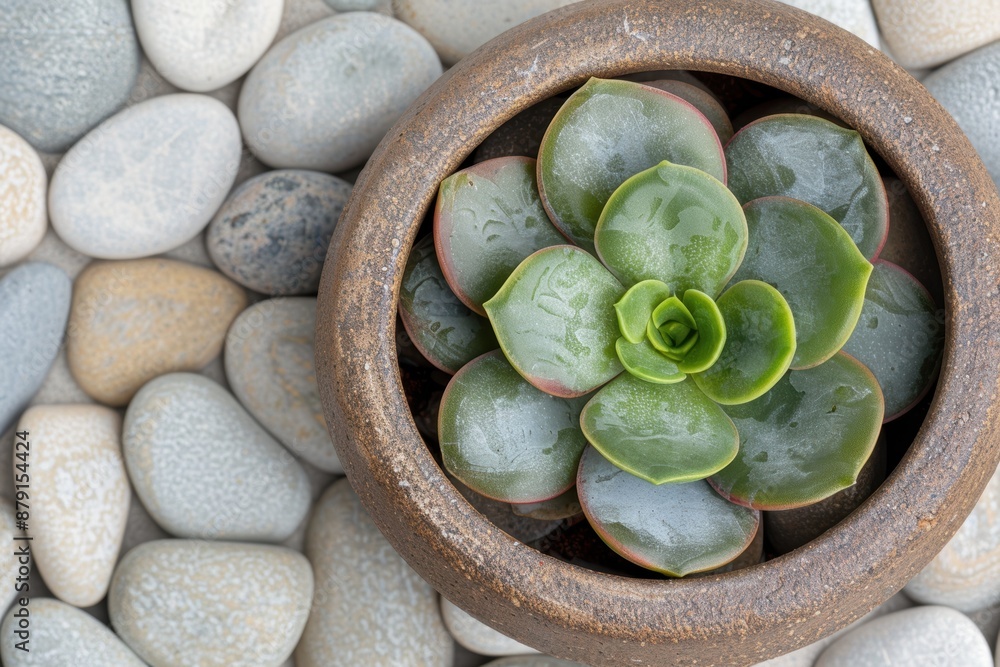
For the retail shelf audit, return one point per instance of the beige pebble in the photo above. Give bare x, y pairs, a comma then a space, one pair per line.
23, 183
9, 564
931, 32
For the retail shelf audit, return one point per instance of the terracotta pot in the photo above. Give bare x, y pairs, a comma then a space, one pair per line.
732, 619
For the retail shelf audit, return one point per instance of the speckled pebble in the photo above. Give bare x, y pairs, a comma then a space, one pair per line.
272, 233
34, 306
147, 179
23, 218
67, 65
132, 321
204, 468
936, 636
456, 28
270, 366
476, 635
852, 15
201, 45
323, 97
63, 635
968, 89
79, 497
932, 32
192, 603
370, 607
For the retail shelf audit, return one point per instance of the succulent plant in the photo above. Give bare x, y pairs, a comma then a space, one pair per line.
631, 335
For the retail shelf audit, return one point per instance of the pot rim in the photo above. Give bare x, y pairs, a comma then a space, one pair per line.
735, 618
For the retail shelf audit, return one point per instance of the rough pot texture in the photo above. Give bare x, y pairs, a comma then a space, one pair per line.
736, 618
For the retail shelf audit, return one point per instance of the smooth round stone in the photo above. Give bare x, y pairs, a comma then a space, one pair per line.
64, 635
204, 468
370, 607
181, 603
966, 572
79, 497
67, 65
456, 28
132, 321
270, 367
935, 31
9, 564
34, 306
476, 635
202, 45
852, 15
937, 636
384, 6
323, 97
967, 88
272, 233
148, 179
23, 217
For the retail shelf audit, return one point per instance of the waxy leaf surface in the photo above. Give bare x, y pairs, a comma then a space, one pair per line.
702, 100
646, 362
636, 307
711, 333
805, 439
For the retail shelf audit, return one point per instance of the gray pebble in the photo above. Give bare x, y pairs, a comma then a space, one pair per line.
272, 233
383, 6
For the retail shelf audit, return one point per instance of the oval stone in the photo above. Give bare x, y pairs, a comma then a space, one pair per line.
67, 65
23, 216
476, 636
323, 97
132, 321
204, 468
935, 31
192, 603
148, 179
272, 233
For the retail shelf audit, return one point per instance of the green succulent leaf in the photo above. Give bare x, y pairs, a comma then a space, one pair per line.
675, 224
900, 337
644, 361
805, 439
563, 506
676, 529
505, 439
606, 132
760, 344
812, 261
555, 321
636, 307
816, 161
443, 328
702, 100
488, 218
711, 333
659, 432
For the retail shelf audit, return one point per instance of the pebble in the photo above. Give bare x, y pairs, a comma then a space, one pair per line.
64, 635
854, 16
937, 636
966, 573
9, 564
297, 14
23, 217
270, 367
79, 497
272, 233
67, 65
201, 45
147, 179
456, 28
476, 635
967, 88
323, 97
180, 603
204, 468
936, 31
34, 306
384, 6
132, 321
370, 608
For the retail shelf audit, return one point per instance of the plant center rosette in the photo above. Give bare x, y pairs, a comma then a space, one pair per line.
626, 329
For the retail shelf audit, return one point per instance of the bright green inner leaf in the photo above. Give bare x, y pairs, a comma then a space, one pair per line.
606, 132
805, 439
443, 328
488, 218
645, 362
504, 438
760, 343
711, 333
553, 318
679, 352
675, 332
675, 224
636, 307
673, 310
676, 529
812, 261
659, 432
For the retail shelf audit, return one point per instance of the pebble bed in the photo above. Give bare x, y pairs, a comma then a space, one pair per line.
171, 172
